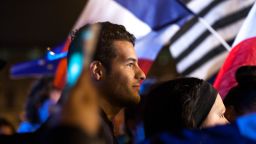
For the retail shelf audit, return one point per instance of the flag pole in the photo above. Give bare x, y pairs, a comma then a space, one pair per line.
214, 32
209, 27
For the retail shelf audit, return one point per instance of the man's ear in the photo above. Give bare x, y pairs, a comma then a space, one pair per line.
97, 70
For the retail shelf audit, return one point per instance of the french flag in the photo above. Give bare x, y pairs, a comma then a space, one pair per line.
153, 22
242, 53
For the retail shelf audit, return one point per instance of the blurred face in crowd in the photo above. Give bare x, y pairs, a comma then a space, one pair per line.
216, 114
122, 82
6, 130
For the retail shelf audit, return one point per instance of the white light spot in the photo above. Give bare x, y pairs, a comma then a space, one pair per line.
52, 53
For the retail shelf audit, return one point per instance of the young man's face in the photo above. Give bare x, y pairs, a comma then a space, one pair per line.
122, 83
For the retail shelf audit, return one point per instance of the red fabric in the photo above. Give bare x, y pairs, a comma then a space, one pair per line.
145, 65
60, 74
242, 54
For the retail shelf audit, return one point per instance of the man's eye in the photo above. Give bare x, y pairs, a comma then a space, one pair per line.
130, 64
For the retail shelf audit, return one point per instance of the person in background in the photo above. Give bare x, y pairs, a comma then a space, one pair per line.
6, 128
40, 103
241, 99
182, 103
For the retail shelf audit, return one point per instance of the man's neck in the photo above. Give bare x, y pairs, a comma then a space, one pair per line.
110, 110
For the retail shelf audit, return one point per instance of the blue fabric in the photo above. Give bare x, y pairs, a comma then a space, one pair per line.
247, 126
35, 67
243, 131
139, 134
44, 110
46, 65
157, 13
26, 127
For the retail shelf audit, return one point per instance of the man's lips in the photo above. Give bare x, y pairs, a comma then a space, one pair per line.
137, 87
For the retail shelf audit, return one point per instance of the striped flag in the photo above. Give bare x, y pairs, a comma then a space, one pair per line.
195, 50
243, 53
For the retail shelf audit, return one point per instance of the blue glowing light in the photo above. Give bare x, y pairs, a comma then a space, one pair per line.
54, 56
75, 67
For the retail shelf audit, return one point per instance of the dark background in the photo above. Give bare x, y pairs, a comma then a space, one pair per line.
27, 28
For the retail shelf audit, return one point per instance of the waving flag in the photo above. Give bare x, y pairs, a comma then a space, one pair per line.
44, 66
243, 53
167, 23
195, 50
153, 22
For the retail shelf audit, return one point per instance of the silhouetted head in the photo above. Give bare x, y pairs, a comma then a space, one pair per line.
241, 99
182, 103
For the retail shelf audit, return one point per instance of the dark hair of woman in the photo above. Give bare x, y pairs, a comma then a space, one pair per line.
177, 104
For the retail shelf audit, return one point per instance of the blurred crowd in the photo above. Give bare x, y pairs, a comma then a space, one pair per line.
109, 100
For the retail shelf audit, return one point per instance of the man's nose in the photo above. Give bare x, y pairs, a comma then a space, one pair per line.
140, 74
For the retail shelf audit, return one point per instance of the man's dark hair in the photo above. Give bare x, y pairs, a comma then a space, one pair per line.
104, 49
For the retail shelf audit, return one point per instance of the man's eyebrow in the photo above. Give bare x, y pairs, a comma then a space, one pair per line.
132, 59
